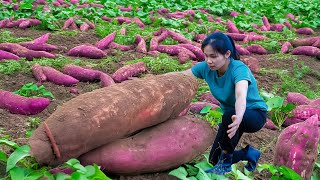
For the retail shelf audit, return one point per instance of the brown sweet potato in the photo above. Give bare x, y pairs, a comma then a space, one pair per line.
93, 119
80, 73
24, 52
58, 77
252, 63
127, 71
38, 73
306, 50
88, 51
169, 144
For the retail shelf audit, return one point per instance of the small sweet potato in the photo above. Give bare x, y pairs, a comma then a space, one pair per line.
232, 28
58, 77
209, 98
263, 28
270, 125
178, 37
42, 39
234, 13
297, 98
123, 19
80, 73
127, 71
17, 104
96, 5
178, 15
257, 49
317, 43
121, 47
236, 36
106, 18
170, 144
24, 52
285, 47
4, 55
306, 50
277, 27
266, 23
68, 23
39, 47
139, 22
291, 16
141, 44
125, 9
241, 50
307, 31
196, 107
88, 51
287, 24
104, 43
196, 51
159, 32
105, 79
38, 73
84, 27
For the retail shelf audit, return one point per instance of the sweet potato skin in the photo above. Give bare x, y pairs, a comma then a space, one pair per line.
162, 147
105, 80
38, 47
93, 119
17, 104
4, 55
88, 51
24, 52
127, 71
80, 73
306, 50
58, 77
38, 73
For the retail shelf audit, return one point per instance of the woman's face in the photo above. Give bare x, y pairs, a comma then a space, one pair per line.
214, 59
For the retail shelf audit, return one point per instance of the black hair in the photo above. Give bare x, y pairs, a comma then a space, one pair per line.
222, 43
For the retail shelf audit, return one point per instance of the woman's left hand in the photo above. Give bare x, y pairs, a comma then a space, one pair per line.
233, 127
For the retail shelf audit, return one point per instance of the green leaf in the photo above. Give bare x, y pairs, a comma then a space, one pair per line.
99, 175
17, 173
34, 175
275, 103
90, 170
3, 156
29, 133
9, 143
180, 173
17, 155
204, 165
205, 109
61, 176
202, 175
192, 171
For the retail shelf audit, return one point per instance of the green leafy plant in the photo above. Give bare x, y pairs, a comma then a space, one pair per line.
33, 90
213, 116
280, 172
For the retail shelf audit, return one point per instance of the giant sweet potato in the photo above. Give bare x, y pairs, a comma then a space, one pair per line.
99, 117
297, 145
159, 148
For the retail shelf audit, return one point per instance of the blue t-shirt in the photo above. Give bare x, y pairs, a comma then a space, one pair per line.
223, 87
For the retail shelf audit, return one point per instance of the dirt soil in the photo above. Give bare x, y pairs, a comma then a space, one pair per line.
16, 125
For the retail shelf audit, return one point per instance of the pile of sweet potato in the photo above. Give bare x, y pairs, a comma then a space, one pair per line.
104, 116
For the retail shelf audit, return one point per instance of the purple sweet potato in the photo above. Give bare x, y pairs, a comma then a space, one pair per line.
296, 147
305, 111
252, 63
256, 49
24, 52
209, 98
236, 36
3, 23
304, 42
88, 51
285, 47
127, 71
141, 44
38, 73
196, 51
315, 103
277, 27
127, 9
17, 104
263, 28
96, 5
266, 22
106, 18
139, 22
178, 15
196, 107
80, 73
25, 24
253, 37
255, 26
270, 125
287, 24
307, 31
174, 50
42, 39
170, 144
159, 32
4, 55
74, 1
297, 98
317, 43
200, 37
68, 23
234, 13
84, 27
291, 120
121, 47
232, 28
179, 37
241, 50
210, 18
104, 43
306, 50
39, 47
93, 119
58, 77
123, 19
291, 16
154, 53
105, 79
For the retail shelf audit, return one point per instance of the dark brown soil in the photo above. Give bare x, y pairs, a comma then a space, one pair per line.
16, 125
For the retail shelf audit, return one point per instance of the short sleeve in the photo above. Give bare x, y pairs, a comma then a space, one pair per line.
198, 70
241, 73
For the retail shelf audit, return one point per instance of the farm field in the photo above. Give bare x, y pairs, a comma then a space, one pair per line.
111, 35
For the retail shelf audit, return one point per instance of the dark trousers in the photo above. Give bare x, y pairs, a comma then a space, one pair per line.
253, 120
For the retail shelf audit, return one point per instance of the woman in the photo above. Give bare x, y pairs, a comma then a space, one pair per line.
233, 85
